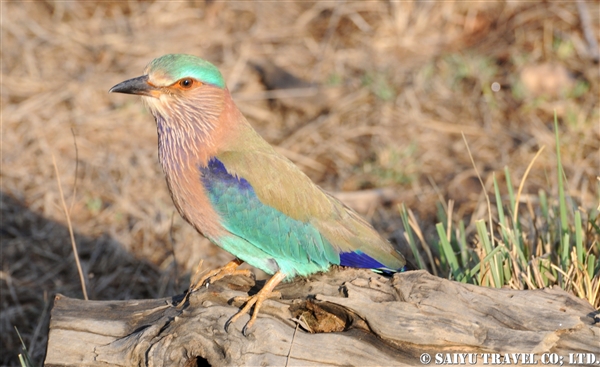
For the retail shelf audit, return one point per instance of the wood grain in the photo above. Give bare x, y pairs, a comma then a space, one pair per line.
374, 321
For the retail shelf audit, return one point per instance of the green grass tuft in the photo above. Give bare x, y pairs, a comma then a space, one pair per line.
549, 244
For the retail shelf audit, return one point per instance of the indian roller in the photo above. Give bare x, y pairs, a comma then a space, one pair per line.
242, 195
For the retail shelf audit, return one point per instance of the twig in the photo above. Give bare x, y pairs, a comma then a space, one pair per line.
449, 220
73, 244
412, 221
487, 197
518, 197
287, 361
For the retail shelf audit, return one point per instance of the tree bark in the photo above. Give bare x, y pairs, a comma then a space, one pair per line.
343, 317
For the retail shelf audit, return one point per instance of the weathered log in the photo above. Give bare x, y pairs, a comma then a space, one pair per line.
356, 317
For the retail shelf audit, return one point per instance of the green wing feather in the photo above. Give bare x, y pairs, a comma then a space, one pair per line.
279, 184
260, 232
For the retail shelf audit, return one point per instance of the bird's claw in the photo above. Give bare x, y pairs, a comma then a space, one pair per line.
244, 329
256, 301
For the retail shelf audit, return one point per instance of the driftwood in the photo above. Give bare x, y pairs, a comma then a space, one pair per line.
356, 317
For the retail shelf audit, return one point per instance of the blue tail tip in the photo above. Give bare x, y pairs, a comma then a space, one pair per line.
359, 259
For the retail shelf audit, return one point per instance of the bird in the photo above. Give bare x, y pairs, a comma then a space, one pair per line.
235, 189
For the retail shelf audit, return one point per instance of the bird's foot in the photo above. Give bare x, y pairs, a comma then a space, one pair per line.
212, 276
256, 300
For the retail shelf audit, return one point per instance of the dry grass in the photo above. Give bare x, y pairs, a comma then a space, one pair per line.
403, 80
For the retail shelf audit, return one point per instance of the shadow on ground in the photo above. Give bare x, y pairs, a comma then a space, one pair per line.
38, 263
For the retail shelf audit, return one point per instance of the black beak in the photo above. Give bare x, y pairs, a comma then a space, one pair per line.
137, 86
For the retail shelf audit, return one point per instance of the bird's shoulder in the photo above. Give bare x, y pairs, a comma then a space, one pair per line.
278, 183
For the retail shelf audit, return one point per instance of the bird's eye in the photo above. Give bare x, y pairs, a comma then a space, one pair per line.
186, 83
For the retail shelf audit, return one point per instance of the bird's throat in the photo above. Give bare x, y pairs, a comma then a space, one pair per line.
180, 148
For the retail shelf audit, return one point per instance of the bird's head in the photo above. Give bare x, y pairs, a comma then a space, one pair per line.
180, 91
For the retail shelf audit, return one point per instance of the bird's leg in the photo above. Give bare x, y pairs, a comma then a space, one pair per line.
212, 276
257, 300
